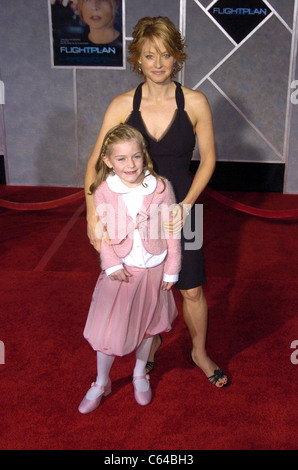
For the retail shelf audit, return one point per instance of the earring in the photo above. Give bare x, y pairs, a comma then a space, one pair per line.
140, 67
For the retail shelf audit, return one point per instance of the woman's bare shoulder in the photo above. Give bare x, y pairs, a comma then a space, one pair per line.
196, 104
122, 104
194, 96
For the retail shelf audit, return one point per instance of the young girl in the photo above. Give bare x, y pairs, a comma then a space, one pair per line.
132, 300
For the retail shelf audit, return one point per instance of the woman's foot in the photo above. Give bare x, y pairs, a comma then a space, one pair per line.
156, 343
214, 374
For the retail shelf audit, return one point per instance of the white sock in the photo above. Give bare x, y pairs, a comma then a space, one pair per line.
142, 355
104, 364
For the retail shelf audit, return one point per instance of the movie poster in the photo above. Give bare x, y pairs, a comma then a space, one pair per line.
87, 33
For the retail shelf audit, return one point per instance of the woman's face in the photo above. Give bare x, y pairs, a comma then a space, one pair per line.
99, 13
157, 64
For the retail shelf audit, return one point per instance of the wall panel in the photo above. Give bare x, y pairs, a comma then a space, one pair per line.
52, 116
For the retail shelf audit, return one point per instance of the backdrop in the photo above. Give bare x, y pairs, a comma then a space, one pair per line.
243, 59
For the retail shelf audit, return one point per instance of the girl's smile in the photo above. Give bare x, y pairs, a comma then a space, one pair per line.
127, 161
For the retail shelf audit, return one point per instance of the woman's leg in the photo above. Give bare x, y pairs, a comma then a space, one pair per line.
156, 343
195, 314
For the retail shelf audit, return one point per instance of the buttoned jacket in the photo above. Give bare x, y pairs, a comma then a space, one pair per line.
120, 226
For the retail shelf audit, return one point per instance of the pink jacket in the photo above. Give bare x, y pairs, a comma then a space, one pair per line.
120, 226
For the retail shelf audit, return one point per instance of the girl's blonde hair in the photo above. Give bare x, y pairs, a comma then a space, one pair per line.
160, 27
119, 134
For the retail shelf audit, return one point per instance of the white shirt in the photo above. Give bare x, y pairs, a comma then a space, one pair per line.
133, 199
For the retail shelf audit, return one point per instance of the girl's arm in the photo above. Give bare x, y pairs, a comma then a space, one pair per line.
108, 258
110, 262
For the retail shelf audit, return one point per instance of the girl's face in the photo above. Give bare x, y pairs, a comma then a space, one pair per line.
98, 13
127, 161
157, 64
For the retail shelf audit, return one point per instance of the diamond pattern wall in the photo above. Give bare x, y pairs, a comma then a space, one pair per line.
248, 80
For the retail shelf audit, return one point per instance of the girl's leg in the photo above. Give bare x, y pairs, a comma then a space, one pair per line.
104, 364
142, 355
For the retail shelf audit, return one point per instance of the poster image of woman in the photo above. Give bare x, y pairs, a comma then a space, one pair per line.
87, 33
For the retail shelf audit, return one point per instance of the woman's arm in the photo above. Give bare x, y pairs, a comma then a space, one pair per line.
117, 112
173, 259
200, 113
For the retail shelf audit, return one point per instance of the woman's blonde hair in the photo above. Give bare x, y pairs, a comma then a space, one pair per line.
119, 134
160, 27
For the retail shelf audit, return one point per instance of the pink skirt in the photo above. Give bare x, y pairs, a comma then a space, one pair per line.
122, 314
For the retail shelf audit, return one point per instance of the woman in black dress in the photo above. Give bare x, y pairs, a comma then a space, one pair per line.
170, 117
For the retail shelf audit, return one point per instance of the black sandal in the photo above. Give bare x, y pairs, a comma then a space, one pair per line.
150, 364
149, 367
218, 374
213, 379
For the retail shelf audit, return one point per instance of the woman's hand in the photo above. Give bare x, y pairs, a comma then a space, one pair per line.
178, 214
96, 232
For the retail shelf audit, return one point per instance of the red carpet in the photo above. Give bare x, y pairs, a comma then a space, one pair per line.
48, 271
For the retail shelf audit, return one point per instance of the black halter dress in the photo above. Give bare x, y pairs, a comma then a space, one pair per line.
171, 156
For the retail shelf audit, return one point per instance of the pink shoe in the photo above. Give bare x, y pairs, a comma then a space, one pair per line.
142, 398
86, 406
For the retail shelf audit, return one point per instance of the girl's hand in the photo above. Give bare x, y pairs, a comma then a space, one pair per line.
120, 275
167, 285
179, 214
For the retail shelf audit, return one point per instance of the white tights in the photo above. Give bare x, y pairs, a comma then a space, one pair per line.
105, 362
